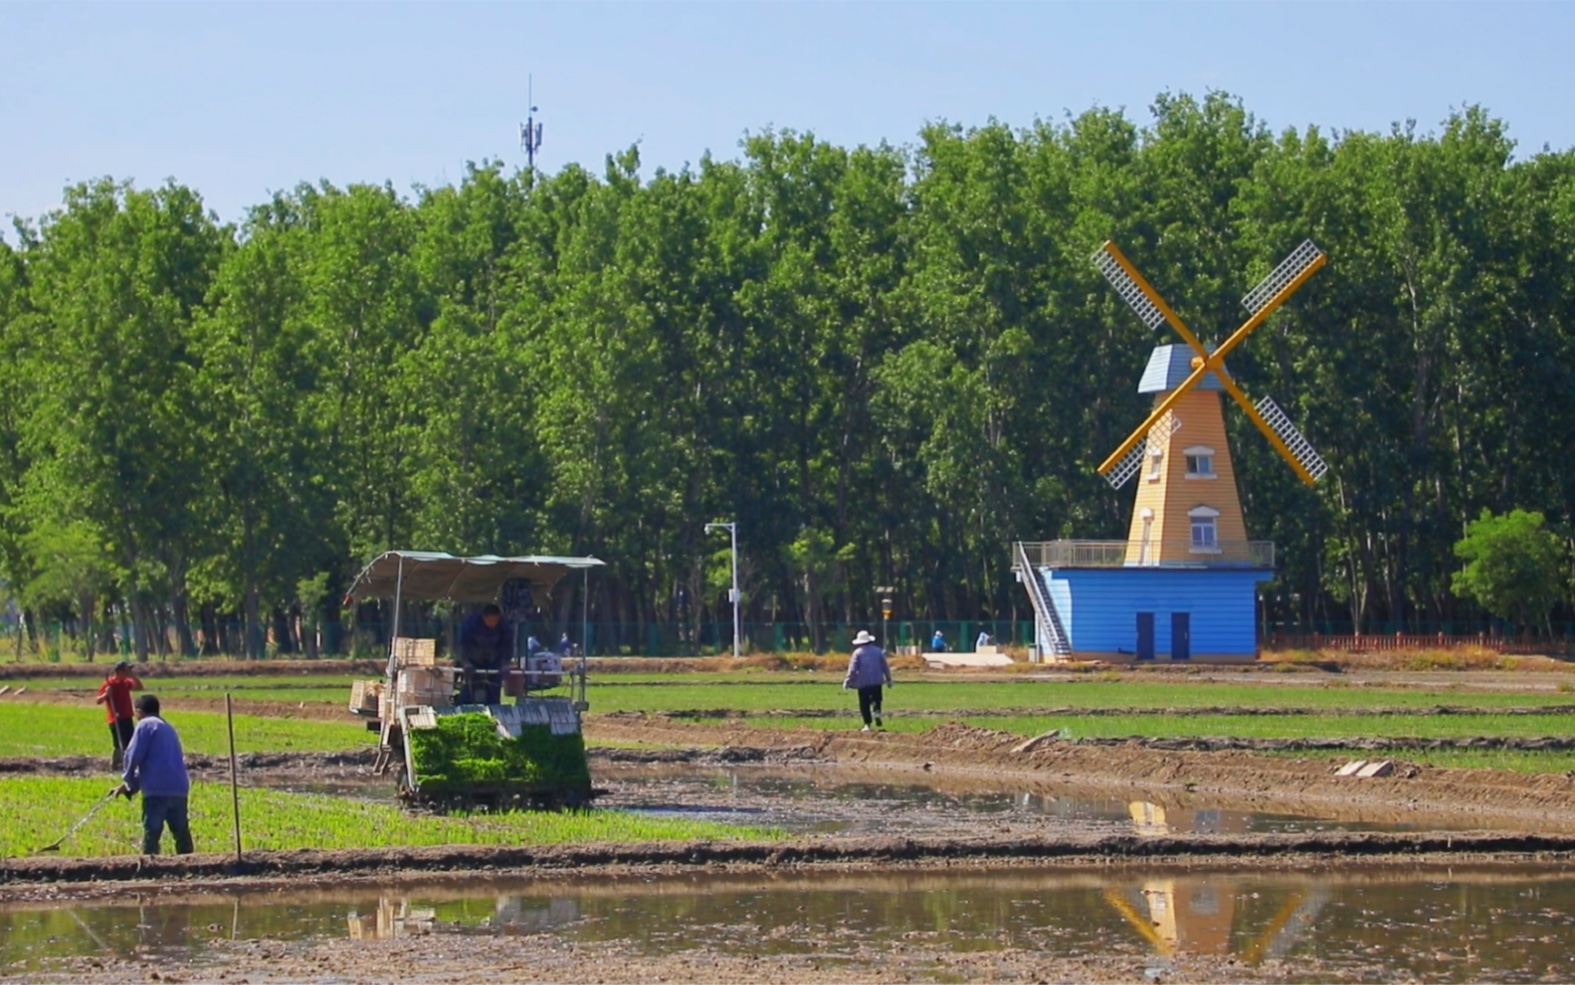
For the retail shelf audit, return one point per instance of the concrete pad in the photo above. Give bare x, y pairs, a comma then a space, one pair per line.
1378, 767
967, 660
1350, 769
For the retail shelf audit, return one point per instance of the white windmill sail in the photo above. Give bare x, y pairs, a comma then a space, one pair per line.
1300, 448
1132, 461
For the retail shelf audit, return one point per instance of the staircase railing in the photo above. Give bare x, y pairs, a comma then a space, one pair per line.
1046, 618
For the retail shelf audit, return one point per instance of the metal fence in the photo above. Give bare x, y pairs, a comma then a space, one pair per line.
64, 641
57, 641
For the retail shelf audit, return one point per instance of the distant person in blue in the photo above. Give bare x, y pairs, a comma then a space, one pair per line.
867, 671
565, 646
983, 640
156, 766
486, 642
938, 642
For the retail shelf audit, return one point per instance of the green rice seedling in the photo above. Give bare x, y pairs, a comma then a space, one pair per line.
38, 809
467, 749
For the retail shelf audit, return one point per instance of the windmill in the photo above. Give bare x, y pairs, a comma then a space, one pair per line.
1183, 585
1260, 302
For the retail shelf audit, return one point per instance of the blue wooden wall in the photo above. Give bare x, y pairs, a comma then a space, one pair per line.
1099, 607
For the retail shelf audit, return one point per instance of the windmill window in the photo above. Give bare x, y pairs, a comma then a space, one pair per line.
1205, 529
1156, 458
1200, 462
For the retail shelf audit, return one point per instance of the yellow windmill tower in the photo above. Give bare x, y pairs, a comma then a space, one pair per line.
1185, 584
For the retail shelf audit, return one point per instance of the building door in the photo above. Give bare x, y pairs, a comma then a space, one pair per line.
1181, 636
1145, 633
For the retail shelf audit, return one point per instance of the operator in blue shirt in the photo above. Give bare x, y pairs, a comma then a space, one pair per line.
486, 648
156, 765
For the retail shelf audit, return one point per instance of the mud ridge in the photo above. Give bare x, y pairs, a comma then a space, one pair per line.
721, 756
712, 714
346, 863
1372, 744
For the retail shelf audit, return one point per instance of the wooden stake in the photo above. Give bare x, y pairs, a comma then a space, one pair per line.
235, 792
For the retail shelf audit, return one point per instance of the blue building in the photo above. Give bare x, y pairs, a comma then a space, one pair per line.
1184, 584
1091, 605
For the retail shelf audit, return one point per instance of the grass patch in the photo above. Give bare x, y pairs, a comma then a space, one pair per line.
1112, 692
39, 809
1327, 726
757, 689
63, 730
28, 729
1515, 760
200, 684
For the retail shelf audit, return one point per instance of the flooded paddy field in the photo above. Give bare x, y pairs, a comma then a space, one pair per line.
850, 800
1463, 923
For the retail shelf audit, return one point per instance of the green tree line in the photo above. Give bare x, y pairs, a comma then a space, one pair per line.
886, 363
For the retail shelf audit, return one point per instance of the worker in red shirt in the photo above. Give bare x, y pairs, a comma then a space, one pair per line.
115, 695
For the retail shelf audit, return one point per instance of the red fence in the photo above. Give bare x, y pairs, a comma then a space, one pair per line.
1416, 641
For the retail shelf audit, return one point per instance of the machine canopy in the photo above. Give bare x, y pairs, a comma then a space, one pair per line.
434, 575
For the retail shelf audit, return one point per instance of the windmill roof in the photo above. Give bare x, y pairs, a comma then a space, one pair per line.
1168, 366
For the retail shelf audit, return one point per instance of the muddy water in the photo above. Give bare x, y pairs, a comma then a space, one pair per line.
844, 800
1446, 925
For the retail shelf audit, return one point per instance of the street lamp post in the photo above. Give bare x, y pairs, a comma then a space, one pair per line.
886, 592
732, 533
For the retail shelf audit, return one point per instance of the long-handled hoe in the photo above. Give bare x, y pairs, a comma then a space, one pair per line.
55, 845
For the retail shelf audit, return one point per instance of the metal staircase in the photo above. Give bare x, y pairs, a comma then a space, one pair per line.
1047, 621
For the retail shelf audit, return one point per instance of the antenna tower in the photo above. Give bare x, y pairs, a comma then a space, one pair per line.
530, 130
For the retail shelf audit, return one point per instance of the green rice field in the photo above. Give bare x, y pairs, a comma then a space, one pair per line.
38, 810
28, 729
1330, 707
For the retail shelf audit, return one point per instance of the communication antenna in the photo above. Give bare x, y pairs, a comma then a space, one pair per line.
530, 130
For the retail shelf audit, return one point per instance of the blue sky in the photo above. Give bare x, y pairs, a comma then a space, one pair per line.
239, 100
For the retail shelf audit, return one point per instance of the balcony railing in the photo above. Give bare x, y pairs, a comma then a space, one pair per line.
1132, 554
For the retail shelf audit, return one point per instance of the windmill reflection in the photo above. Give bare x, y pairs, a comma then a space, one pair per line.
1202, 914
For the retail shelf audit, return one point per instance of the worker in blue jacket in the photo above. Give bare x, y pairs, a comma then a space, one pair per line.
156, 766
486, 649
867, 671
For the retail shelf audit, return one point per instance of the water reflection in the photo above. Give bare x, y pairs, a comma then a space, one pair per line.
1198, 916
1442, 925
397, 917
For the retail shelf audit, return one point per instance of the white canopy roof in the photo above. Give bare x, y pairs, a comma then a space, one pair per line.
435, 575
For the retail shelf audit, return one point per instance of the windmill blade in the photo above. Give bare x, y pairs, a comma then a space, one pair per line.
1255, 415
1303, 261
1109, 261
1298, 450
1291, 274
1132, 461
